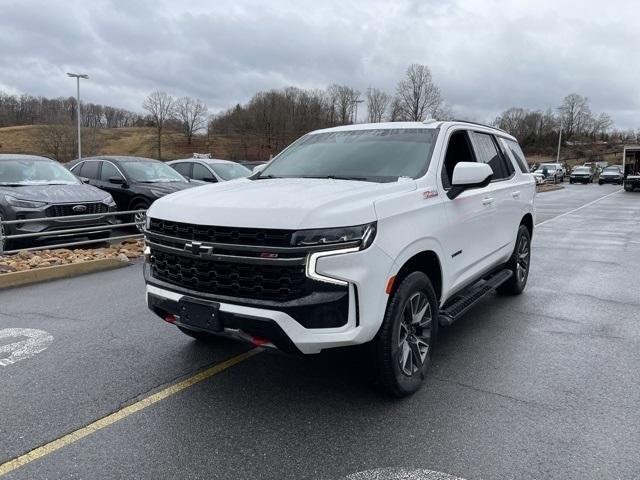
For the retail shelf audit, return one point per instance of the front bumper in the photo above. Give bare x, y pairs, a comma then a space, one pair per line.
580, 179
617, 180
306, 325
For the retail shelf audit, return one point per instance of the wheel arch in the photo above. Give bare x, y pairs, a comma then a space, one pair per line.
138, 199
527, 221
426, 261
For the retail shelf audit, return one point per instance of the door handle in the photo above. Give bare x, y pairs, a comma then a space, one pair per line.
515, 194
487, 201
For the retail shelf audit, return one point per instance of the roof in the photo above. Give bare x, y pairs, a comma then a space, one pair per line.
119, 158
19, 156
212, 161
427, 124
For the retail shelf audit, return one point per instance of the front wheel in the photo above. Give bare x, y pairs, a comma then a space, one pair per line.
139, 218
519, 264
404, 344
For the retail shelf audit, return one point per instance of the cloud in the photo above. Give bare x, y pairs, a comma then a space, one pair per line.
485, 55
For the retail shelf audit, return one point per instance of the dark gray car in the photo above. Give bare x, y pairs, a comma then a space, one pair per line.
37, 187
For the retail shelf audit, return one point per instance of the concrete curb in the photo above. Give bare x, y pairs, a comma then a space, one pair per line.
37, 275
549, 188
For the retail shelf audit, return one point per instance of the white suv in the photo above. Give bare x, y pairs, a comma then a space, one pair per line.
364, 233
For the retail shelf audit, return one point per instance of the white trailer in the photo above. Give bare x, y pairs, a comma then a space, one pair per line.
631, 167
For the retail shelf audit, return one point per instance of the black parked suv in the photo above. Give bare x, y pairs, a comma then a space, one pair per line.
581, 175
134, 182
33, 187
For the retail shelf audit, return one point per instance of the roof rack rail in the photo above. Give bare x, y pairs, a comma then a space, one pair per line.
481, 125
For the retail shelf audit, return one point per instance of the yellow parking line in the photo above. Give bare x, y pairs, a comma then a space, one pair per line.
118, 415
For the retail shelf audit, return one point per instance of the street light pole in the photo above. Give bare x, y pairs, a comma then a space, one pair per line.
78, 76
559, 141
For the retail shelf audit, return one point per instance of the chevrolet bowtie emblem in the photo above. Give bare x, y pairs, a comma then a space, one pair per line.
193, 247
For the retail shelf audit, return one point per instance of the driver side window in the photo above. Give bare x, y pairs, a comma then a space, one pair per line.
458, 150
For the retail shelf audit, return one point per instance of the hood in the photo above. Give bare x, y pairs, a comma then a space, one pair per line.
286, 203
77, 193
166, 188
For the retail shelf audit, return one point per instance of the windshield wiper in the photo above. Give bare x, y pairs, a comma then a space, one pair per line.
261, 177
338, 177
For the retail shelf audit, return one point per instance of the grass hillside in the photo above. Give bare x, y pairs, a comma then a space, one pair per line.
138, 141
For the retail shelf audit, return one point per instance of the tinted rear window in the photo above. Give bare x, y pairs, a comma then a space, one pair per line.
517, 153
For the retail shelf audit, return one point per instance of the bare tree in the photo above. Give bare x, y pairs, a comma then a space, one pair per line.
377, 104
192, 114
417, 94
160, 106
56, 140
575, 114
343, 102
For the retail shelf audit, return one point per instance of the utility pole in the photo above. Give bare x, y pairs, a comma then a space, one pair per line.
78, 76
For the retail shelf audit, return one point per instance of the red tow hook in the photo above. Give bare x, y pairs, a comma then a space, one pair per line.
259, 341
170, 318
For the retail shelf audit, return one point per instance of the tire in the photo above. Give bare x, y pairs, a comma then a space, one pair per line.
600, 182
199, 336
519, 264
570, 182
562, 179
403, 347
4, 230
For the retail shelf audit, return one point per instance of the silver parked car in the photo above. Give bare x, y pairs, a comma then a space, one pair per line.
209, 170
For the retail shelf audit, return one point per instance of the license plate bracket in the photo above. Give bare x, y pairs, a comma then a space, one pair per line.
196, 313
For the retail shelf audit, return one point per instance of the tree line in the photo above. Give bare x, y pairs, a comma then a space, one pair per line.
273, 119
538, 131
31, 110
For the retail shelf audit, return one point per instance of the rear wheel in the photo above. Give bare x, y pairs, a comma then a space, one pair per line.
404, 344
4, 230
519, 264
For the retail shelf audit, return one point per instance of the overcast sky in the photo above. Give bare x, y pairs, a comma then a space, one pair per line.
485, 55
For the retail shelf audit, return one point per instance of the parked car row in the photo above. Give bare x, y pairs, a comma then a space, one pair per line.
33, 187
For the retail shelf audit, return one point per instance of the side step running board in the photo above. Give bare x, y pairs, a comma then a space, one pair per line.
467, 298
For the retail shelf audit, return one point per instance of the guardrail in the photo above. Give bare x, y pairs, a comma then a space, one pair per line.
138, 221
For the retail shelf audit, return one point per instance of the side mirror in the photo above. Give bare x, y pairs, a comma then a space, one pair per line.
259, 168
84, 179
117, 180
468, 175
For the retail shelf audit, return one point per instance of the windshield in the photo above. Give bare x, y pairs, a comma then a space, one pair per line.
612, 169
151, 172
549, 168
582, 170
370, 155
35, 172
229, 171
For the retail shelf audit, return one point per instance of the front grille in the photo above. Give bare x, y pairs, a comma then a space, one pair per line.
258, 281
230, 235
67, 209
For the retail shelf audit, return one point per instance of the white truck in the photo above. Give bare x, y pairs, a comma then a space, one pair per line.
631, 167
375, 233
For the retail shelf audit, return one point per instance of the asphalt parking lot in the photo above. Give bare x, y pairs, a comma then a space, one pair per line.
544, 385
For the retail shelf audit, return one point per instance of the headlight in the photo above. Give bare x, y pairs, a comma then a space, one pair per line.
335, 236
109, 201
17, 202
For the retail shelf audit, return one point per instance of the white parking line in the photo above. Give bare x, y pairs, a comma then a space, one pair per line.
579, 208
401, 474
